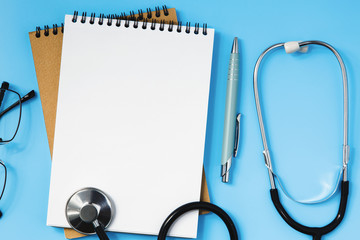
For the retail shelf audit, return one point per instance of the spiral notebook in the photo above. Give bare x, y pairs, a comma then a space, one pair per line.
46, 47
131, 119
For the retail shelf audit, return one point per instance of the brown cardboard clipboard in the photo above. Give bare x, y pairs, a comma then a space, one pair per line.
47, 57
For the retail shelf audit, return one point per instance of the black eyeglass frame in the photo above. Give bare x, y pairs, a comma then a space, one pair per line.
18, 102
5, 87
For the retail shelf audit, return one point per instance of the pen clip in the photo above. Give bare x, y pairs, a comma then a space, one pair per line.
237, 134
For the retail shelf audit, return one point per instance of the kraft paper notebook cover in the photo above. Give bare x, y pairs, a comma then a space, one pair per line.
47, 56
137, 124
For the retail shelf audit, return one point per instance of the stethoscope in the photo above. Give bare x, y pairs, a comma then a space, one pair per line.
90, 211
315, 232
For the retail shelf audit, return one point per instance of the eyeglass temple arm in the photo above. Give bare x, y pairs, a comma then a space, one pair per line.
28, 96
4, 85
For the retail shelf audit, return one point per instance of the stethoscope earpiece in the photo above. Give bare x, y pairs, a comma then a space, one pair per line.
89, 211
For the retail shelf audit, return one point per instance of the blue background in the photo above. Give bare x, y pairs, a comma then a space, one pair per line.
301, 98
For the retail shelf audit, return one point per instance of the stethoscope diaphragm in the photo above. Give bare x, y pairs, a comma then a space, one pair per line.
88, 211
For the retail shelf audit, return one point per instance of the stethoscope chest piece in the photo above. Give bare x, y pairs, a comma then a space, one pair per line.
88, 209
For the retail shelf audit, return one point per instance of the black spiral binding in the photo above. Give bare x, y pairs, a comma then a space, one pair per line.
141, 15
153, 24
117, 19
171, 24
55, 29
46, 30
83, 17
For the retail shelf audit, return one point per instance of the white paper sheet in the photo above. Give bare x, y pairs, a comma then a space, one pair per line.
131, 121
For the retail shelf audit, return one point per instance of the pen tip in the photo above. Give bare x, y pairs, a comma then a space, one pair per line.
235, 47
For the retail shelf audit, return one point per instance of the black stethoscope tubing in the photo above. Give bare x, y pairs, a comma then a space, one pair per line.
315, 232
198, 206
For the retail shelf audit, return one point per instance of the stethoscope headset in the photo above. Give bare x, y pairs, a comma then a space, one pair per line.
90, 211
315, 232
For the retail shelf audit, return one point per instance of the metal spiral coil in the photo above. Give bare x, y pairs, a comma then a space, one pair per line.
205, 28
92, 18
141, 16
153, 24
37, 34
83, 17
171, 25
149, 13
101, 19
144, 24
46, 30
118, 22
157, 12
179, 27
136, 23
166, 12
162, 25
109, 19
76, 13
187, 30
132, 16
196, 31
127, 23
55, 29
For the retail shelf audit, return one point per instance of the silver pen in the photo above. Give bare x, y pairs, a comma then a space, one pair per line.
232, 120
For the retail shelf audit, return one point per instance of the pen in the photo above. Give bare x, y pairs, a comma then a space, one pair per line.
232, 121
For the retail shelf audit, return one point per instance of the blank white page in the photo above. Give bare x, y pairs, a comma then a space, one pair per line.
131, 121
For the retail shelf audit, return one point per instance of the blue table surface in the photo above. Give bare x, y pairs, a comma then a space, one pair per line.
302, 102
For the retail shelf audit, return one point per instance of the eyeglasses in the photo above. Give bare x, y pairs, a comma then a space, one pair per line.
10, 116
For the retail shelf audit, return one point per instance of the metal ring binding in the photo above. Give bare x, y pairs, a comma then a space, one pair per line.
118, 18
157, 12
101, 19
153, 24
196, 31
149, 14
132, 16
83, 17
166, 12
141, 15
55, 29
118, 21
179, 27
127, 19
37, 34
127, 23
171, 25
162, 24
109, 18
187, 30
76, 13
92, 18
145, 24
46, 30
136, 23
205, 28
123, 16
